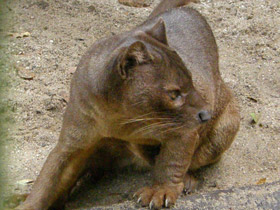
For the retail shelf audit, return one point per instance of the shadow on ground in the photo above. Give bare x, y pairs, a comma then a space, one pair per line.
115, 192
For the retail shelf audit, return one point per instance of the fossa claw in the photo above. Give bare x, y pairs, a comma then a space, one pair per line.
151, 204
166, 202
139, 200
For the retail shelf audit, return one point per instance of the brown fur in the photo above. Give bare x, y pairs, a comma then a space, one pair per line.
149, 92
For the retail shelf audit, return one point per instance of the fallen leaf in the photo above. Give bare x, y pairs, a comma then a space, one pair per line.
252, 99
72, 70
17, 35
261, 181
25, 34
64, 95
20, 35
92, 9
79, 39
25, 74
10, 34
25, 182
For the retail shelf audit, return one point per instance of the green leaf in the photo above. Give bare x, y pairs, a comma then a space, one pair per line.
255, 118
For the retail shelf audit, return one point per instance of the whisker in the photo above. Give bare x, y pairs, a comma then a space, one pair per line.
147, 127
144, 119
137, 103
174, 129
148, 124
154, 127
145, 116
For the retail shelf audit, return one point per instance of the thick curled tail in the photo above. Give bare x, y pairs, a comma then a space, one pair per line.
169, 4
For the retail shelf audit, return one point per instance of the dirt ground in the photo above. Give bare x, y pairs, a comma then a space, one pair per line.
59, 32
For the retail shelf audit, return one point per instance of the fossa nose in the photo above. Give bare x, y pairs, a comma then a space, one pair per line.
203, 116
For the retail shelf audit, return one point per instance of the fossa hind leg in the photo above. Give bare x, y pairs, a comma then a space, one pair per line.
219, 138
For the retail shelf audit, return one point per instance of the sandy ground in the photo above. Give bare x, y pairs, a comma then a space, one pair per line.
59, 32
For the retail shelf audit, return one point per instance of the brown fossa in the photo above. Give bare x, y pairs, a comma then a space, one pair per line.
154, 92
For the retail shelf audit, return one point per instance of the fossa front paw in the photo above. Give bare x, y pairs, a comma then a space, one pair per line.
158, 196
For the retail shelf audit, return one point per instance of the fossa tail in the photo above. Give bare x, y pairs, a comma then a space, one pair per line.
165, 5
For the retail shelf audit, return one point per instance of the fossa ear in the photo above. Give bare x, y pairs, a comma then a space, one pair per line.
158, 32
134, 55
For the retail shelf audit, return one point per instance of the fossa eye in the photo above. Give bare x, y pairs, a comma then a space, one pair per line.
175, 94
